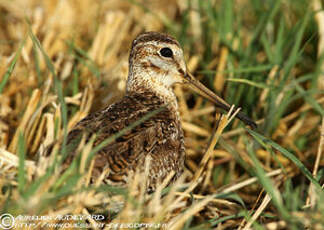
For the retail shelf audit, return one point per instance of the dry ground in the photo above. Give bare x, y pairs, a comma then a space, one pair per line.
60, 60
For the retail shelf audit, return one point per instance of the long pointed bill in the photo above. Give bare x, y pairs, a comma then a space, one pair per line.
203, 90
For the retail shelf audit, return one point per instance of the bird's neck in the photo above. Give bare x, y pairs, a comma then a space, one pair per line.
141, 81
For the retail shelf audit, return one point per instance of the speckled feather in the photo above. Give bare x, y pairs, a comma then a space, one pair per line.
160, 138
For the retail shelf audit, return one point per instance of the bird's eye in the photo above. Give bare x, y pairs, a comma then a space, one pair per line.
166, 52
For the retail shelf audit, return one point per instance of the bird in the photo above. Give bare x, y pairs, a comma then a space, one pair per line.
156, 64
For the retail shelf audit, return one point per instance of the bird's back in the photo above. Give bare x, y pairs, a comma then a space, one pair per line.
159, 137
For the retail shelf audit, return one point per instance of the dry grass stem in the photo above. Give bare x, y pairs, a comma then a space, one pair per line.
249, 181
269, 47
312, 194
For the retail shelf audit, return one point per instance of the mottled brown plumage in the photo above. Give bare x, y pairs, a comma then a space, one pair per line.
159, 137
156, 63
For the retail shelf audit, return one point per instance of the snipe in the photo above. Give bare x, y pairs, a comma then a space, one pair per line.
156, 63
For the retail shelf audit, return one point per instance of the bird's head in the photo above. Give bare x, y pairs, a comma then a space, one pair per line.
157, 62
158, 57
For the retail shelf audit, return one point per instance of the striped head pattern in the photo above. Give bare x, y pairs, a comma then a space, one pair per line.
156, 62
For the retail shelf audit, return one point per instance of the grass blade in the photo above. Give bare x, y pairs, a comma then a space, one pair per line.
57, 84
263, 140
8, 73
21, 167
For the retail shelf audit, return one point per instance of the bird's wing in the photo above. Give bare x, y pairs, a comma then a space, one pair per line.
122, 153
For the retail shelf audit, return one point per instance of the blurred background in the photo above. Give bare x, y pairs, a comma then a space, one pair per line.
261, 55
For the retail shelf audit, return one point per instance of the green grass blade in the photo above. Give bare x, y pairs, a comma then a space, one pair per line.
268, 185
265, 18
8, 73
57, 84
37, 65
32, 189
231, 196
84, 58
217, 221
262, 140
317, 107
279, 45
267, 48
295, 52
21, 167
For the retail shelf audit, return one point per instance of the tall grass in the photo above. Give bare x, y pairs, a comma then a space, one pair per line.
259, 55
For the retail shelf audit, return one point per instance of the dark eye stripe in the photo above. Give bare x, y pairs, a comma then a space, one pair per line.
166, 52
